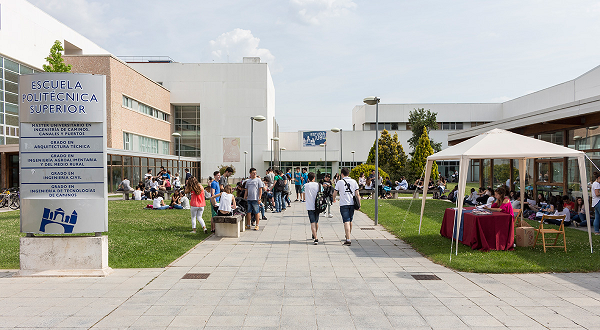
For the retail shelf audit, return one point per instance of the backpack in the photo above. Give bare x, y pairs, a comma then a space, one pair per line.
320, 201
279, 185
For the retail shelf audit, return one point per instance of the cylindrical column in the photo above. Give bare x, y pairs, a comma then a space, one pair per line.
376, 162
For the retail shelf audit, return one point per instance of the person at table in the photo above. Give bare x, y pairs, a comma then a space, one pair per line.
502, 203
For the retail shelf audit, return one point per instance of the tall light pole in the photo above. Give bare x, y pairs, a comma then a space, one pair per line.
352, 152
280, 150
273, 140
258, 118
325, 146
178, 137
245, 160
336, 130
374, 100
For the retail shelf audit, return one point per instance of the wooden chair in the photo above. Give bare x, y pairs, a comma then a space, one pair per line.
517, 213
558, 232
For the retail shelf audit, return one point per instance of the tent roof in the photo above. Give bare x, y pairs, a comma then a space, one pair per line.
500, 144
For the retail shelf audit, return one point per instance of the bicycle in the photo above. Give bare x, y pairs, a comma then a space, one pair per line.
4, 198
15, 200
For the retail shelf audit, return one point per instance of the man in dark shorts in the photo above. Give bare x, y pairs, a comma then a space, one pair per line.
347, 188
254, 190
298, 184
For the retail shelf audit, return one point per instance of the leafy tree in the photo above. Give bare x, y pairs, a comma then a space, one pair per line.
501, 173
419, 159
392, 158
222, 168
55, 60
419, 119
366, 169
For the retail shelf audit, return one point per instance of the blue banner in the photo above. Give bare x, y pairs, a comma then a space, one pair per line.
313, 139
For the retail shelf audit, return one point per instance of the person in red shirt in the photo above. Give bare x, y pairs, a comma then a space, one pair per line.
568, 203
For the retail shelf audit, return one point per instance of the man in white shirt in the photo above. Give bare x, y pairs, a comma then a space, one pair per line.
402, 185
311, 189
253, 193
596, 202
347, 188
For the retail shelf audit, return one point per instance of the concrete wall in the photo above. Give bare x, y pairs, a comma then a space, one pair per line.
123, 80
228, 94
27, 33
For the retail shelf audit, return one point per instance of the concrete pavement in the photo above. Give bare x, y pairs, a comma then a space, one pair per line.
275, 278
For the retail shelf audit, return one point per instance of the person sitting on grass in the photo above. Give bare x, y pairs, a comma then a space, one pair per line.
176, 200
159, 202
227, 203
579, 217
453, 195
502, 203
560, 210
185, 201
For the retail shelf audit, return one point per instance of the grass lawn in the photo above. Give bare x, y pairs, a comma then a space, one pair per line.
138, 238
394, 216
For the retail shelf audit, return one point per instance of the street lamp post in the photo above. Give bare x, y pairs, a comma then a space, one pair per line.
280, 150
178, 136
374, 100
352, 152
325, 146
273, 140
245, 160
258, 118
336, 130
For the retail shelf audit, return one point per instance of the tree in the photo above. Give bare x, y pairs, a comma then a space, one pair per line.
420, 119
55, 60
366, 169
502, 173
419, 159
392, 158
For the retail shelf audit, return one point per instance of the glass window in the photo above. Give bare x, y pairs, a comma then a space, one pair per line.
445, 126
459, 125
394, 126
373, 126
127, 161
452, 125
557, 171
11, 76
144, 163
136, 161
10, 65
12, 120
11, 108
543, 172
26, 70
12, 98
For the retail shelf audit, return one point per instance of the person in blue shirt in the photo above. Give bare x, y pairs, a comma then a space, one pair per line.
215, 189
298, 183
304, 181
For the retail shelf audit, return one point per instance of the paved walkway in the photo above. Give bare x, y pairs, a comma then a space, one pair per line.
275, 278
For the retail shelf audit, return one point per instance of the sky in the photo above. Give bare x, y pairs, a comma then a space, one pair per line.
325, 56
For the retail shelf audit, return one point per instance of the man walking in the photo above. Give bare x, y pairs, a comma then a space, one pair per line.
347, 188
304, 181
311, 189
298, 184
254, 190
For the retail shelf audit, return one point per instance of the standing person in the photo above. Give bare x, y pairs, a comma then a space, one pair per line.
328, 191
347, 188
596, 202
197, 203
311, 189
277, 191
286, 190
298, 184
215, 189
188, 175
304, 181
270, 178
254, 190
225, 177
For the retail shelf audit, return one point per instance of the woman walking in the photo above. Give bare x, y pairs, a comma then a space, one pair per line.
197, 202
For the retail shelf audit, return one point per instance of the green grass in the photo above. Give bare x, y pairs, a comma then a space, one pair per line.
393, 215
137, 238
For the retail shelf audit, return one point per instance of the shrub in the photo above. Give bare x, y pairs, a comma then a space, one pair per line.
365, 168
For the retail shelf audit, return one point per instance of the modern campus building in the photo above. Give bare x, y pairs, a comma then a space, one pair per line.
160, 110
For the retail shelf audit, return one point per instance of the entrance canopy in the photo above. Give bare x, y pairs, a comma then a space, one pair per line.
502, 144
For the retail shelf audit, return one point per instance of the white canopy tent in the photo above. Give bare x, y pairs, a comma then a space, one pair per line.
502, 144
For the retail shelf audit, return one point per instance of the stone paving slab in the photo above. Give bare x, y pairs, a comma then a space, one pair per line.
275, 278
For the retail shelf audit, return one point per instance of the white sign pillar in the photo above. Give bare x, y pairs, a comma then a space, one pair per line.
62, 170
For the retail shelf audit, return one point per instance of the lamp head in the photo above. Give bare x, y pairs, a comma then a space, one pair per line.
336, 130
371, 100
176, 134
322, 144
282, 148
245, 152
352, 151
258, 118
275, 139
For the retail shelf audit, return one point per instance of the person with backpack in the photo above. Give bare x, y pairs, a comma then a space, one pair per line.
278, 187
312, 189
347, 188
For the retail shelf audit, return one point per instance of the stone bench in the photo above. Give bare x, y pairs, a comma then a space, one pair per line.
228, 226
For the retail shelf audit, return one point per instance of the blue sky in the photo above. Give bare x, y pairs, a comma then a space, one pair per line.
327, 55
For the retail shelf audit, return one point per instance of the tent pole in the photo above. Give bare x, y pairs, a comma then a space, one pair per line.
428, 167
583, 176
522, 174
462, 182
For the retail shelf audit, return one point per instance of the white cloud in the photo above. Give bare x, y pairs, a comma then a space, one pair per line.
232, 46
314, 12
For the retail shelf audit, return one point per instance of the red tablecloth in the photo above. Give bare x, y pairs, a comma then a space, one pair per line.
481, 232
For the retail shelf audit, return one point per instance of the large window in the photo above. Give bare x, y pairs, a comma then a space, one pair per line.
9, 89
449, 126
140, 143
145, 109
187, 123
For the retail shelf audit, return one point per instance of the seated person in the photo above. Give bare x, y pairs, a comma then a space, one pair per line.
227, 201
388, 182
491, 199
453, 195
568, 203
362, 181
560, 210
158, 203
579, 218
125, 186
502, 203
137, 194
369, 184
176, 200
141, 185
483, 196
402, 185
153, 188
472, 198
515, 199
185, 202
